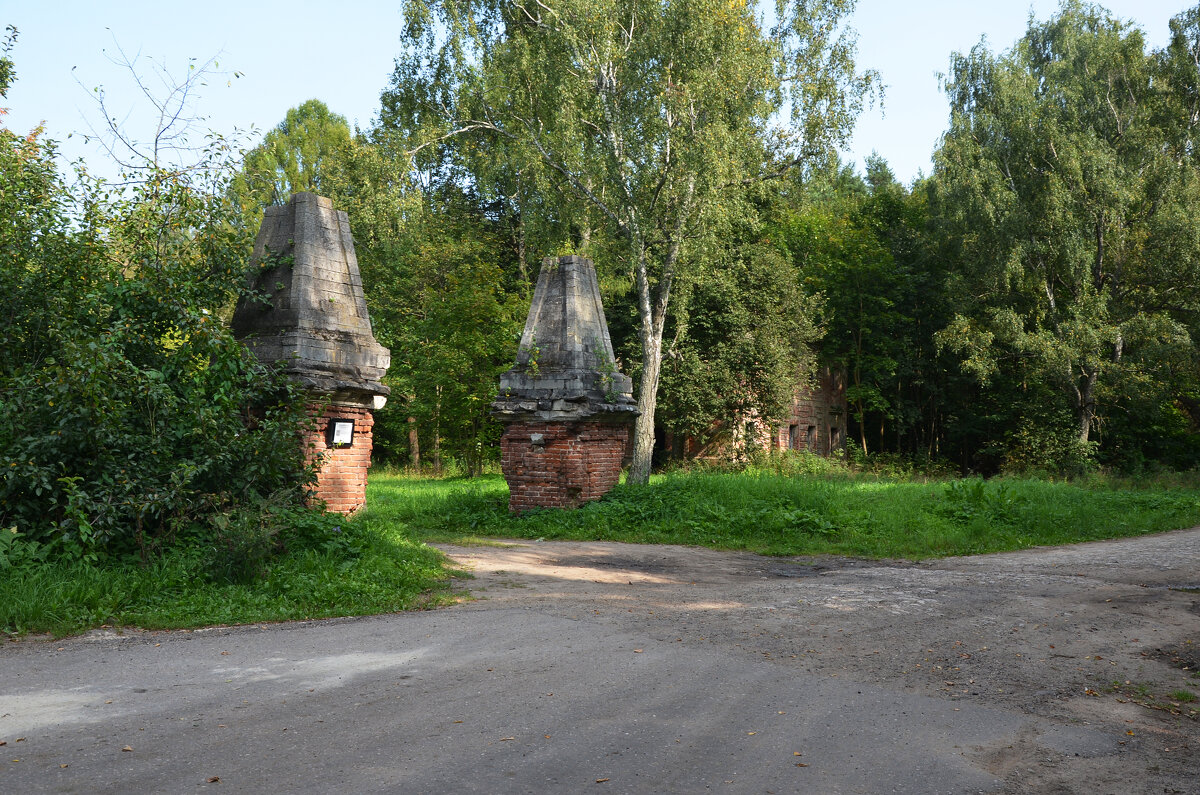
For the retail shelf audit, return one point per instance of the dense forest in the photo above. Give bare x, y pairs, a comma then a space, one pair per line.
1031, 305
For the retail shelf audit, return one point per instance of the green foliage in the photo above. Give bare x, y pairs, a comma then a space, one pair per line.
241, 542
438, 277
1040, 288
1068, 181
866, 246
655, 128
333, 567
127, 411
740, 344
448, 308
307, 151
967, 500
7, 71
19, 552
1046, 446
769, 513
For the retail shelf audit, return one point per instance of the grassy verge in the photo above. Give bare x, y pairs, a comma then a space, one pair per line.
377, 563
778, 514
368, 572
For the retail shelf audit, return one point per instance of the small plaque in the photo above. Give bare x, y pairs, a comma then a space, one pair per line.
340, 432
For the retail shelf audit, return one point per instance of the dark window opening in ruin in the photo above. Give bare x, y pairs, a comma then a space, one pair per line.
810, 438
793, 437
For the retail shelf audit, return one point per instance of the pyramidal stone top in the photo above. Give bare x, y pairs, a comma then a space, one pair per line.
307, 307
565, 366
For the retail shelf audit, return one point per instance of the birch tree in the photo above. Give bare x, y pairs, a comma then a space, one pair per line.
1068, 176
649, 117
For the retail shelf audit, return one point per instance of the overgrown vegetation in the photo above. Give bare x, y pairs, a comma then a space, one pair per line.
378, 562
131, 421
1029, 310
332, 568
1029, 307
776, 511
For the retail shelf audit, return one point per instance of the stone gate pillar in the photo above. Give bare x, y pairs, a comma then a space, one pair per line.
309, 314
566, 409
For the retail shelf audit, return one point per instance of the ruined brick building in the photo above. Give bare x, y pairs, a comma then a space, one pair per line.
816, 422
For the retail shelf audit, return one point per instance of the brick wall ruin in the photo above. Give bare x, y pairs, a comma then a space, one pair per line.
817, 421
565, 408
342, 471
561, 465
309, 317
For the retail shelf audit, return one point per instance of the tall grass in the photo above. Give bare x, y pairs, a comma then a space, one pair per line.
367, 572
781, 514
377, 562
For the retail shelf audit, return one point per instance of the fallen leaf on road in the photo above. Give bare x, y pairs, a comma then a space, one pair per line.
212, 779
801, 764
127, 748
797, 753
601, 780
637, 651
506, 739
63, 766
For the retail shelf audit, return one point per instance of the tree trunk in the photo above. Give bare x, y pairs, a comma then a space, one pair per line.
643, 430
862, 425
437, 433
1085, 393
653, 316
414, 444
1085, 410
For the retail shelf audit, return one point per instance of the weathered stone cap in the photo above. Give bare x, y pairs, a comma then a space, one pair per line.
565, 364
307, 307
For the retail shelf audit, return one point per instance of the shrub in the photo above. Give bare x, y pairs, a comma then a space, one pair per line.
127, 410
1049, 447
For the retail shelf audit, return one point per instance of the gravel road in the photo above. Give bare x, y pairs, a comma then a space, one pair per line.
627, 668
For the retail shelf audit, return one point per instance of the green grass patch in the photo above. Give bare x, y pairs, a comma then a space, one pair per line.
780, 514
377, 562
362, 570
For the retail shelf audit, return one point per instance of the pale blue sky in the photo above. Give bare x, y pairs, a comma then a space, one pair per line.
294, 51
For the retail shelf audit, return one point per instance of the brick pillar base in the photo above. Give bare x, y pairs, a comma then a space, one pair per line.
560, 465
342, 473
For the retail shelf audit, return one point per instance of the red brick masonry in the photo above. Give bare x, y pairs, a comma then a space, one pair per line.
342, 478
571, 464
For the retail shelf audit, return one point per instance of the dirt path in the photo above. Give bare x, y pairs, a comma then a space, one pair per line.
1097, 635
646, 669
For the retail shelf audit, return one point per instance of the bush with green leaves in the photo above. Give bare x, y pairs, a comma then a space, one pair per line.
129, 416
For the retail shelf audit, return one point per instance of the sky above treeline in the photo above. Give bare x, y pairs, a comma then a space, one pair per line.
290, 52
